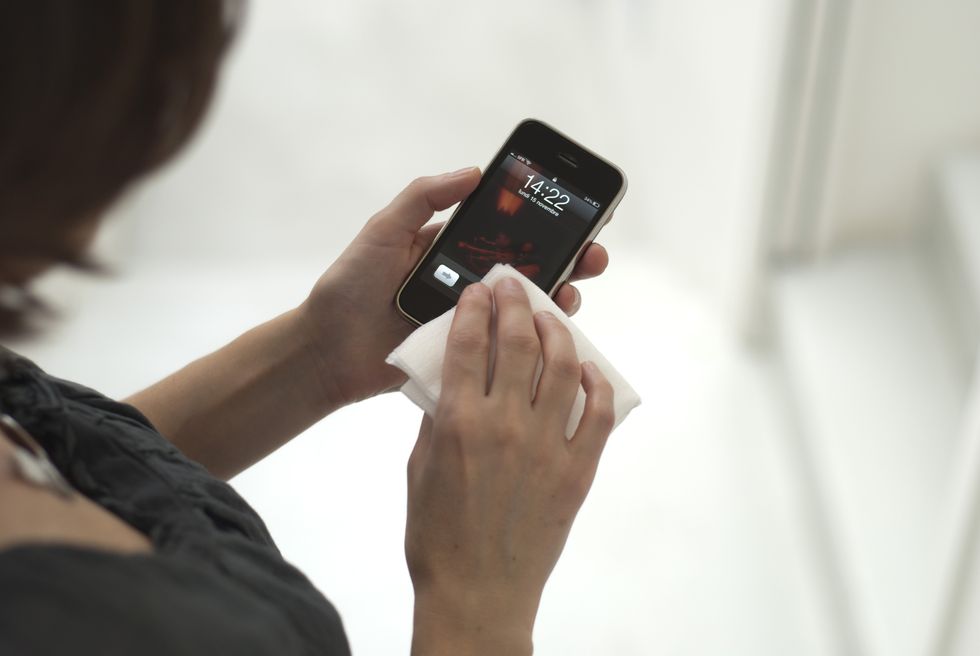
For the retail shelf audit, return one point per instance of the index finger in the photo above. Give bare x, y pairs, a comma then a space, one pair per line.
465, 367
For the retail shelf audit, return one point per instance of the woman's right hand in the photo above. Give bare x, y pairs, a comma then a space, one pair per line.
493, 484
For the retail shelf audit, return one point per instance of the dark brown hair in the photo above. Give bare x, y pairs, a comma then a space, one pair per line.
93, 95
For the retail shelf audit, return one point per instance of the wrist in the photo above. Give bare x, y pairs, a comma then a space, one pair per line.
348, 341
470, 624
330, 394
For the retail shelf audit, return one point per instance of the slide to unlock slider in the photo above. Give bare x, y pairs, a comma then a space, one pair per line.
446, 276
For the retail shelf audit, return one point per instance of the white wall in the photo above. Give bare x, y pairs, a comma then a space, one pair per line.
910, 95
335, 111
693, 541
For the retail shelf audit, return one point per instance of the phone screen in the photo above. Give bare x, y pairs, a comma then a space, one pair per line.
523, 215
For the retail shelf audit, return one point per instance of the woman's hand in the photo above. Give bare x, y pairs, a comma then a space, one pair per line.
232, 407
350, 315
493, 485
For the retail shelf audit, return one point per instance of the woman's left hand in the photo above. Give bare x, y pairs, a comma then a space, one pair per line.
350, 316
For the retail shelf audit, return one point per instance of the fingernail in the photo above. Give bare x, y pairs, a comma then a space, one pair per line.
544, 315
465, 169
511, 285
476, 288
577, 303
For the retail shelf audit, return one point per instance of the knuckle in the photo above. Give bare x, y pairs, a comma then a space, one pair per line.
418, 185
511, 429
453, 414
565, 366
468, 341
521, 343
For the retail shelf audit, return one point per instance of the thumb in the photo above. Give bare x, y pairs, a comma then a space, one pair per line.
419, 200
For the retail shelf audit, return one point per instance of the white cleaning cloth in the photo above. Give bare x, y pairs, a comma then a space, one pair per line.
421, 355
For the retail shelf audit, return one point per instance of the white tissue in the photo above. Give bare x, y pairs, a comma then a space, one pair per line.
421, 355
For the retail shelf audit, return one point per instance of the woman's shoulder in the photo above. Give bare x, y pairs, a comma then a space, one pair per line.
19, 375
208, 543
112, 454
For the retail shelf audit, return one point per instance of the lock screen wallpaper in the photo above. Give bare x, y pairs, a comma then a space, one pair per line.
522, 216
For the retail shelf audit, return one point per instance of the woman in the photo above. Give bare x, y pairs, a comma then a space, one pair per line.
118, 536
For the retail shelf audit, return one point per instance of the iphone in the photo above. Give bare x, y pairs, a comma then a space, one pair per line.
538, 206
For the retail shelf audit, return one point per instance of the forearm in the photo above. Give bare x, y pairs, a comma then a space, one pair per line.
229, 409
440, 635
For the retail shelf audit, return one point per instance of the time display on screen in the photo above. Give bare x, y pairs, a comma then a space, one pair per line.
549, 194
522, 215
543, 190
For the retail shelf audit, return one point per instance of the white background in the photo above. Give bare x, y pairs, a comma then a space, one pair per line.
705, 532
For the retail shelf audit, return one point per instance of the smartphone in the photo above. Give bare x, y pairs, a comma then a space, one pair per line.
540, 203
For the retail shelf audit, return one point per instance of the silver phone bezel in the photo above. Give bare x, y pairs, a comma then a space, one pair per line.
607, 213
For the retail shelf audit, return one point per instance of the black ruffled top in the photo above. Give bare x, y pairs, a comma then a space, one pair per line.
215, 584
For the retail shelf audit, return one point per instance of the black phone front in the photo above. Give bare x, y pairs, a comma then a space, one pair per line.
540, 202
